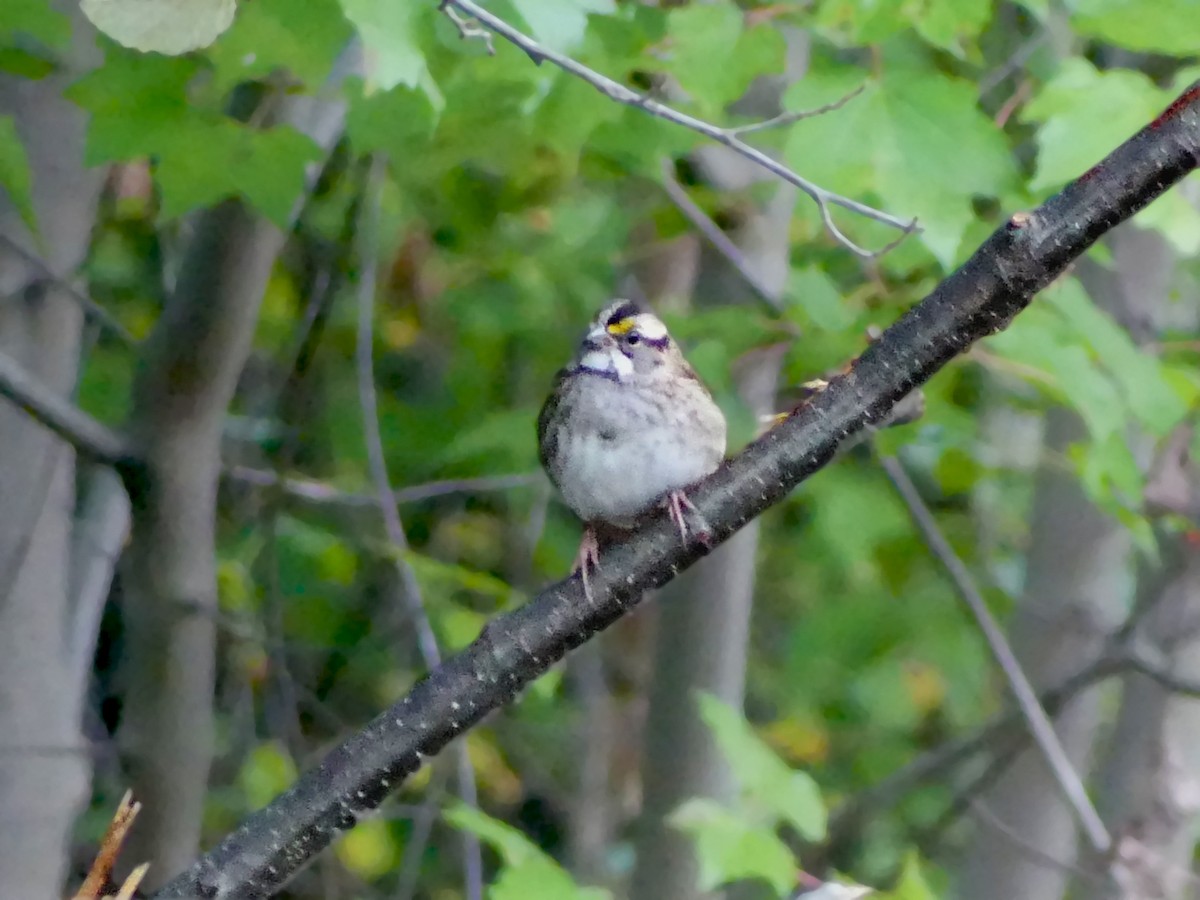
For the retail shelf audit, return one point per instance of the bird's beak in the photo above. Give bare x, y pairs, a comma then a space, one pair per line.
597, 339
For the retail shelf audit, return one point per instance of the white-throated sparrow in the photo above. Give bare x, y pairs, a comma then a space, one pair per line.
628, 425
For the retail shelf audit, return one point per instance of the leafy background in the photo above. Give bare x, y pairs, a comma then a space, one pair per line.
515, 197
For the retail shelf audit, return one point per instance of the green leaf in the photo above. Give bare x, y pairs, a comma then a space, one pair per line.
764, 778
714, 57
1149, 396
369, 849
274, 34
1083, 114
15, 177
540, 879
24, 63
514, 848
953, 25
931, 149
1035, 340
397, 120
391, 39
816, 298
1177, 219
434, 572
162, 26
528, 872
560, 24
1109, 471
912, 884
731, 849
140, 107
135, 100
36, 19
1165, 26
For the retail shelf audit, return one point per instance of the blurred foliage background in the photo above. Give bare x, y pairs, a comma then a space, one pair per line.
517, 200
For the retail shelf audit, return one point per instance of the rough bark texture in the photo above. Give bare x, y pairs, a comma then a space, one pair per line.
44, 771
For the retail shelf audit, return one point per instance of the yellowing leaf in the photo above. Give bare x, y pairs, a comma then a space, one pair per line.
162, 26
267, 772
369, 850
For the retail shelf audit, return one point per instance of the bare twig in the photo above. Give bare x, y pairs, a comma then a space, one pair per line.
319, 493
94, 310
1065, 776
1159, 671
468, 30
725, 136
937, 763
368, 235
106, 857
720, 241
69, 422
984, 815
789, 118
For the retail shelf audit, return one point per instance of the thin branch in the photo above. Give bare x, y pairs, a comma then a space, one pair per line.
321, 494
1065, 776
410, 590
106, 857
91, 308
940, 761
725, 136
999, 281
789, 118
720, 241
985, 816
1160, 672
468, 30
88, 436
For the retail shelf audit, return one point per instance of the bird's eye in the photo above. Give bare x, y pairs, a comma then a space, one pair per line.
633, 338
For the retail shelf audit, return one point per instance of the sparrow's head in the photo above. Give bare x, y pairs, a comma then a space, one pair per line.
625, 341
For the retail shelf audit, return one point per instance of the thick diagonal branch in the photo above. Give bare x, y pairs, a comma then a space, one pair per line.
994, 285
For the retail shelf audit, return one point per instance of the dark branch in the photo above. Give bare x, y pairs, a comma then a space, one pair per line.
994, 285
89, 437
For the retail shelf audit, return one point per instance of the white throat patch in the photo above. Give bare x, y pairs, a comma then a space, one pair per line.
609, 362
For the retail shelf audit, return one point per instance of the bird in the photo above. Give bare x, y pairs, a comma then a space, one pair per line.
628, 426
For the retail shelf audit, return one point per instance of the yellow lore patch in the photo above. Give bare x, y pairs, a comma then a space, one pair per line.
622, 327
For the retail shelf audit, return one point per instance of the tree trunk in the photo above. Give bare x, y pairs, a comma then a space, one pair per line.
44, 767
185, 381
1077, 563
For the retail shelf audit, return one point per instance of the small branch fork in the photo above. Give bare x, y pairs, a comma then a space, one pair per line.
727, 137
1000, 280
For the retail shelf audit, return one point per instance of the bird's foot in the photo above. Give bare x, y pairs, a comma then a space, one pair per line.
679, 505
588, 557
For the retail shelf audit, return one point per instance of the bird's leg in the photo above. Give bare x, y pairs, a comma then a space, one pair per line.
587, 557
678, 505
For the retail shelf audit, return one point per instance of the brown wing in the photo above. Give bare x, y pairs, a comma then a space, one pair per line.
547, 430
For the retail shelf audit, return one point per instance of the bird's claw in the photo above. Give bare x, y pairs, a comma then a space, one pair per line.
679, 505
588, 557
